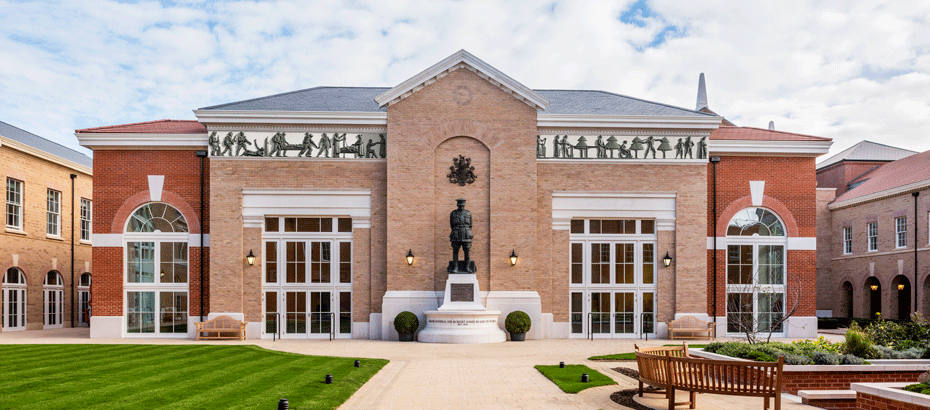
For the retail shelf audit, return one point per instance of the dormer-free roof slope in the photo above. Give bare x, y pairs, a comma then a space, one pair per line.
25, 137
150, 127
867, 151
913, 170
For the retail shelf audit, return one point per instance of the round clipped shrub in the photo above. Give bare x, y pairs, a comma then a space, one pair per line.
518, 322
406, 323
826, 358
796, 359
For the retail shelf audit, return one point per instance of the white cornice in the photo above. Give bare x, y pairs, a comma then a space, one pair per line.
291, 117
769, 148
13, 144
626, 121
462, 59
112, 141
916, 186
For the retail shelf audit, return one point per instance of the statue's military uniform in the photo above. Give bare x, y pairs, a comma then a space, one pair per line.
461, 236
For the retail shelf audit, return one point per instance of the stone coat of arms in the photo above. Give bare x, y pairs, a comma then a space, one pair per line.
461, 172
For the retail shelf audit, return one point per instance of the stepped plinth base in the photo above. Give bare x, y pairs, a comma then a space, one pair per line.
462, 326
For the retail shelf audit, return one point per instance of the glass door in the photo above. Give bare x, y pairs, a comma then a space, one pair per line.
14, 315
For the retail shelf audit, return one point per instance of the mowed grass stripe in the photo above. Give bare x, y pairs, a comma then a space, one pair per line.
117, 377
144, 379
176, 377
35, 354
228, 371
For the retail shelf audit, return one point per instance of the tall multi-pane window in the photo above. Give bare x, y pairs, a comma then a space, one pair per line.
53, 222
85, 219
900, 232
872, 230
847, 240
756, 272
14, 204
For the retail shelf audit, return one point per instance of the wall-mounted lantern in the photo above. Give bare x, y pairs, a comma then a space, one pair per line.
900, 286
409, 257
874, 287
513, 257
250, 258
667, 260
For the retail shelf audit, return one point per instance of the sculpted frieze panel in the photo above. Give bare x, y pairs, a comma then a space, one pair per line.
622, 147
297, 144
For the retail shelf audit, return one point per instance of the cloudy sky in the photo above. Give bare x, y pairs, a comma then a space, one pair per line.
845, 70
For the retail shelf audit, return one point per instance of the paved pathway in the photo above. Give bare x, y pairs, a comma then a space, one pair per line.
438, 376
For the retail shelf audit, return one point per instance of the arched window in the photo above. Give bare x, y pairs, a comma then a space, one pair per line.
755, 221
756, 243
14, 300
156, 217
156, 281
84, 299
53, 292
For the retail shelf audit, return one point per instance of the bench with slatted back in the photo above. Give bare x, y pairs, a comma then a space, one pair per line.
670, 368
220, 325
692, 328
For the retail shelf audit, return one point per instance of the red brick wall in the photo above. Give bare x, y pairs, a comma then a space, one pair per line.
790, 191
795, 381
122, 185
871, 402
839, 175
831, 404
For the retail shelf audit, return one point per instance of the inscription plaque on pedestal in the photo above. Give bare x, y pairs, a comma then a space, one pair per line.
462, 292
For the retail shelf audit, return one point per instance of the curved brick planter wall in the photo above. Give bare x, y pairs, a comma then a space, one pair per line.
888, 396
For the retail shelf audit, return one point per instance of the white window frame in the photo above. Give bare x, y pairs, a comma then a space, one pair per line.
156, 287
281, 286
84, 298
14, 203
53, 296
638, 288
900, 232
755, 287
53, 210
871, 231
22, 304
86, 219
847, 240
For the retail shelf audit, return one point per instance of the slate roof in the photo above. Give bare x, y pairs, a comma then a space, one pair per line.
361, 99
760, 134
37, 142
867, 151
908, 170
151, 127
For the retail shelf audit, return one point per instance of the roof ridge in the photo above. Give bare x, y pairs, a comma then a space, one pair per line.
284, 93
46, 139
638, 99
884, 145
790, 133
133, 123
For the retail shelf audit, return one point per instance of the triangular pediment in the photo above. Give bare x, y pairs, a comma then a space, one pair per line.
462, 59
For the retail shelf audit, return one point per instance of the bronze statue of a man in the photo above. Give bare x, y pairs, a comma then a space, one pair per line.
461, 237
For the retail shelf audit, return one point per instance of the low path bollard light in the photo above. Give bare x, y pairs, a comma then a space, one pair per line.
329, 379
561, 365
584, 377
358, 363
283, 404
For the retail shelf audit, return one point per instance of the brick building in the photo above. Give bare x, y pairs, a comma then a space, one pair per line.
45, 252
330, 189
873, 238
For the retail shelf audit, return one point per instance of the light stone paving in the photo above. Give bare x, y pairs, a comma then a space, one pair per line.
442, 376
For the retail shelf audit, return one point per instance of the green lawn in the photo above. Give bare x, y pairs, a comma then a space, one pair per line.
175, 377
569, 378
631, 355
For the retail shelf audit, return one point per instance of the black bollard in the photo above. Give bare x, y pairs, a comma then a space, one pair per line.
584, 377
561, 365
329, 379
358, 363
283, 404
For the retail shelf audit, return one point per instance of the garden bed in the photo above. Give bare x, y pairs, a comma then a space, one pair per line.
888, 396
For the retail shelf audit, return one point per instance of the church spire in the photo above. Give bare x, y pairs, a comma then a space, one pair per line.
702, 94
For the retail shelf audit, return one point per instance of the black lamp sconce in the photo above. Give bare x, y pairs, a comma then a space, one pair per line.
667, 260
409, 257
250, 258
513, 257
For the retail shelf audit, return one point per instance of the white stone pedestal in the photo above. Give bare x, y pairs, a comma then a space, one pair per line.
462, 318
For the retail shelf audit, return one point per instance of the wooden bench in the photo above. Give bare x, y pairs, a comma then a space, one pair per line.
692, 326
220, 325
673, 370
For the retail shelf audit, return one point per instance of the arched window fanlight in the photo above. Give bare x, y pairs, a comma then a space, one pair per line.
755, 221
157, 217
53, 278
14, 276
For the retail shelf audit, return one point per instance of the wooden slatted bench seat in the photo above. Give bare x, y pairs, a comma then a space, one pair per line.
692, 326
220, 325
672, 371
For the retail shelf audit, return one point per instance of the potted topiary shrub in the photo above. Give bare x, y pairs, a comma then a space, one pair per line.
517, 323
406, 324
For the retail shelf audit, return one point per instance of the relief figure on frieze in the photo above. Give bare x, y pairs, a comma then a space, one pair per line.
214, 144
228, 144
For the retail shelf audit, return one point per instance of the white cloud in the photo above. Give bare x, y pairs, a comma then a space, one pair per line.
848, 71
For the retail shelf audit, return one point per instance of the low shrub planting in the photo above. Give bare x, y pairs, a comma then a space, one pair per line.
922, 386
804, 352
518, 322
